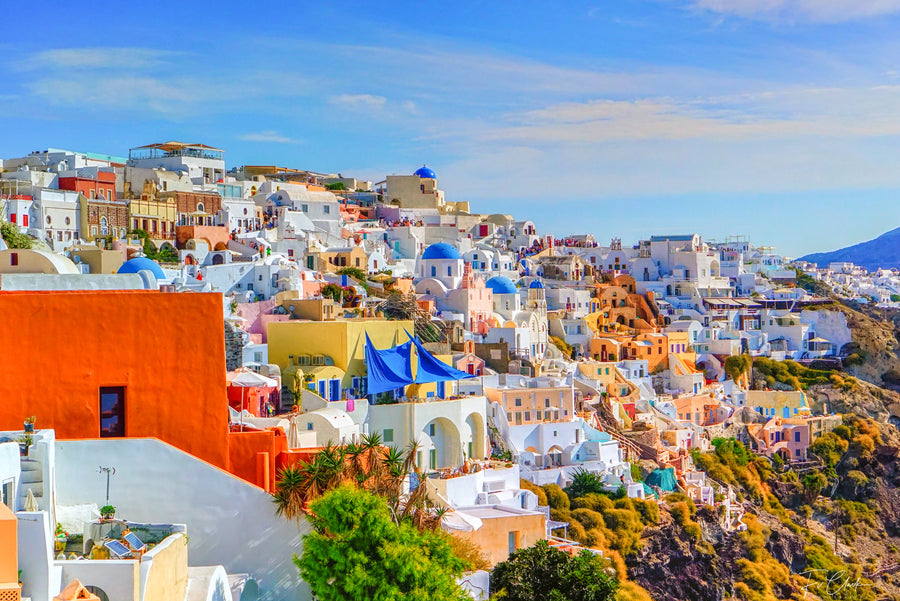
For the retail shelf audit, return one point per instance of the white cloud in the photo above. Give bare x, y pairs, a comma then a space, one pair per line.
359, 102
793, 11
269, 136
98, 58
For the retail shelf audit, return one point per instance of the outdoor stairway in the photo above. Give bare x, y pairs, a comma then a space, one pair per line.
32, 478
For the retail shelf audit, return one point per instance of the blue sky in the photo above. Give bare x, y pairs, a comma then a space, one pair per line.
778, 119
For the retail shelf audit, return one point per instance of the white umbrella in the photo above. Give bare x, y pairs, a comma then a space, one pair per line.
293, 435
250, 379
30, 502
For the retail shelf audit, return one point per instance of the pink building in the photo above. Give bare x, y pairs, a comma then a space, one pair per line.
789, 438
472, 299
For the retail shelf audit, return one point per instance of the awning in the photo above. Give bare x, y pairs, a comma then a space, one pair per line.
389, 368
434, 370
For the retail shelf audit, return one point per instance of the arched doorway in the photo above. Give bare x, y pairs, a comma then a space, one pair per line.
441, 441
554, 456
477, 446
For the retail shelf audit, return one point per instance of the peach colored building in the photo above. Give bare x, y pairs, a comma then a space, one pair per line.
9, 561
701, 410
504, 530
534, 405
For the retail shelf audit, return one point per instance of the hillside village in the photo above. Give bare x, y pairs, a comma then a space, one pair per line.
197, 331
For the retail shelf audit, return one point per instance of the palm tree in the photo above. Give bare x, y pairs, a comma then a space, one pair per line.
384, 471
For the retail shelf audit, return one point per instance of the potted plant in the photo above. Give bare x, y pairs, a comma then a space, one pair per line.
29, 423
107, 512
25, 441
62, 537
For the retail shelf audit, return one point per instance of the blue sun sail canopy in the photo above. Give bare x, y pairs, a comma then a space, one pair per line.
432, 369
388, 369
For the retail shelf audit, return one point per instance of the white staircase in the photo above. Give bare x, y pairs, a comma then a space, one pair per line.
32, 478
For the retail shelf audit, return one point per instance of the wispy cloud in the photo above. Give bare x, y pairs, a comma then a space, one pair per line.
98, 58
359, 102
269, 136
803, 112
794, 11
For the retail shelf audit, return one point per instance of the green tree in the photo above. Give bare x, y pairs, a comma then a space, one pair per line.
542, 573
356, 551
332, 291
813, 483
737, 365
13, 238
354, 272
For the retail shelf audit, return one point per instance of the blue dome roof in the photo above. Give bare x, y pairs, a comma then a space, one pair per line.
424, 171
441, 250
501, 284
536, 284
141, 263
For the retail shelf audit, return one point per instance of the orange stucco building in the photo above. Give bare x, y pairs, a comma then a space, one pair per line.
142, 364
9, 561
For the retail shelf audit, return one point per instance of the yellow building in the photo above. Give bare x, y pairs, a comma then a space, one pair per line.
312, 309
156, 217
331, 260
341, 341
778, 403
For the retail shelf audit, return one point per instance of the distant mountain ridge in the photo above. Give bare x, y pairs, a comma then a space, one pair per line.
882, 252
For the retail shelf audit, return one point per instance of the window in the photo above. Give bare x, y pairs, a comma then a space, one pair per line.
518, 402
539, 415
388, 435
68, 221
433, 271
449, 273
546, 402
112, 412
49, 220
309, 426
200, 207
6, 494
797, 437
528, 416
430, 429
304, 208
513, 541
13, 258
326, 209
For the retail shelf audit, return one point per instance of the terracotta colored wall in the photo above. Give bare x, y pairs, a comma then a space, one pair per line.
167, 350
213, 234
244, 448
